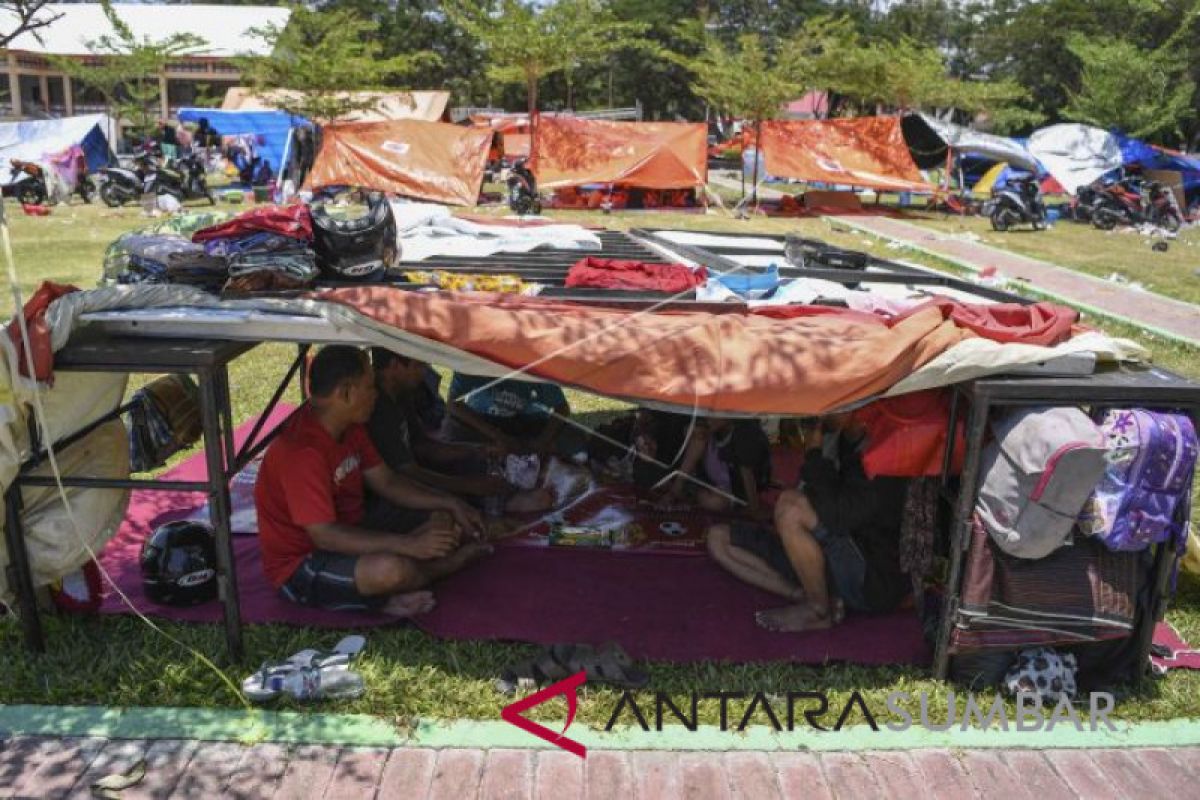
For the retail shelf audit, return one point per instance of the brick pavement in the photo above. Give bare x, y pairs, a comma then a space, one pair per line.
1177, 318
45, 767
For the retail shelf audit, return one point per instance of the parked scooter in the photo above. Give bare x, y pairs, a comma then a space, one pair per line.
185, 179
522, 190
1132, 202
119, 185
29, 185
1018, 202
1083, 204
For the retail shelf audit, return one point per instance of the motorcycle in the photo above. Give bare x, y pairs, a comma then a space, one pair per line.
119, 185
522, 190
1128, 203
29, 183
1083, 204
185, 179
1020, 201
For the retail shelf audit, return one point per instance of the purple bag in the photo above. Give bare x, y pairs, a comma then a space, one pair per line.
1151, 460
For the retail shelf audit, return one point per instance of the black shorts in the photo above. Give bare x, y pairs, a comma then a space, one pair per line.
326, 580
845, 566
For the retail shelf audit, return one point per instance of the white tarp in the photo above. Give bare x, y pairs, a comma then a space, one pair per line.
1075, 154
965, 140
427, 230
34, 140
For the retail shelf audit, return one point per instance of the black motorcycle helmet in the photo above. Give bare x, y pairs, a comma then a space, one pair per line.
361, 249
179, 564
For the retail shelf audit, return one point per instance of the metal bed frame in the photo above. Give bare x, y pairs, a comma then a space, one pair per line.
1149, 387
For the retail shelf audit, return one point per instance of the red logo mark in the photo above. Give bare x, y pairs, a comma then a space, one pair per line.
567, 688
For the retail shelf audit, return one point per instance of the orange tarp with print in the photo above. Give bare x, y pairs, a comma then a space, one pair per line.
432, 161
868, 151
569, 151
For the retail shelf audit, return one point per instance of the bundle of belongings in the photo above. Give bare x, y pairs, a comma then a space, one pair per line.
264, 249
609, 273
621, 197
164, 418
1068, 509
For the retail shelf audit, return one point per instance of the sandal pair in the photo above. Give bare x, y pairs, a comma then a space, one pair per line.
609, 665
310, 675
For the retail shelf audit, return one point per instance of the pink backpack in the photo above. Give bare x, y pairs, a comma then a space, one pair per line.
1151, 459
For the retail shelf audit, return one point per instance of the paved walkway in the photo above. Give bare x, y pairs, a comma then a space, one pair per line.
1163, 315
40, 767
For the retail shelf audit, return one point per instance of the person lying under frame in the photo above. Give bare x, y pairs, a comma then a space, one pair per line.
835, 540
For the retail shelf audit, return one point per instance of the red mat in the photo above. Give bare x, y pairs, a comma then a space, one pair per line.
1183, 655
669, 609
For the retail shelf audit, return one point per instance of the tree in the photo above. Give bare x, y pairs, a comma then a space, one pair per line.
129, 69
525, 43
25, 16
1142, 92
321, 59
745, 81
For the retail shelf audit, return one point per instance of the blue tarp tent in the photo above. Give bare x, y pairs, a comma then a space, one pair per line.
34, 140
1135, 152
270, 128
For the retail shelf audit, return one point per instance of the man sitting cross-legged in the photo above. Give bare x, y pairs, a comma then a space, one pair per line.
835, 541
406, 446
322, 544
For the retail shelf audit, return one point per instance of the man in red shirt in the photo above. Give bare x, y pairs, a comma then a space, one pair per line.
323, 543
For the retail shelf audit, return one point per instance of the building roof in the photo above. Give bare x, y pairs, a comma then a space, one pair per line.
225, 28
427, 105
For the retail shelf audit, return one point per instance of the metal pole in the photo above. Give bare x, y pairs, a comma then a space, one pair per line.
218, 510
960, 536
221, 379
20, 574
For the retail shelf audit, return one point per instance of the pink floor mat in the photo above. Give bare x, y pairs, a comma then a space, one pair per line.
669, 609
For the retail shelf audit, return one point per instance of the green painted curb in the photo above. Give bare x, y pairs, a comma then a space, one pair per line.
362, 730
970, 267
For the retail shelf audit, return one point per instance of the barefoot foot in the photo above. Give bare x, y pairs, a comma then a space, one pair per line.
409, 604
792, 619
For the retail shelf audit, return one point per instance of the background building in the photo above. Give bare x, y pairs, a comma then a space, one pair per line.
33, 89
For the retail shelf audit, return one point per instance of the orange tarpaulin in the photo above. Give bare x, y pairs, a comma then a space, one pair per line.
432, 161
868, 152
516, 145
735, 362
569, 151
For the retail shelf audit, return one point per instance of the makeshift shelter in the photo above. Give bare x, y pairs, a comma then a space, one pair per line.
270, 129
513, 128
433, 161
41, 140
867, 152
930, 140
569, 151
426, 105
1075, 154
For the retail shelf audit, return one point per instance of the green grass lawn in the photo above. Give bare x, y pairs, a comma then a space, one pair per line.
1100, 253
123, 662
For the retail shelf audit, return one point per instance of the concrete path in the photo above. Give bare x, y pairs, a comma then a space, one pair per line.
43, 767
1157, 313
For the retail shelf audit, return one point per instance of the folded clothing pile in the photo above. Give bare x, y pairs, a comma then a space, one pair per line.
265, 248
169, 258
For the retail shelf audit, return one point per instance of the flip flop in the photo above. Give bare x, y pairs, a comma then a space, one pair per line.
550, 665
267, 683
610, 665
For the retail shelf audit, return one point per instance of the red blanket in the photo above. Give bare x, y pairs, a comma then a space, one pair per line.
607, 273
294, 220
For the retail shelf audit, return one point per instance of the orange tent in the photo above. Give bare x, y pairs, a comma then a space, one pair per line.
432, 161
569, 151
867, 151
